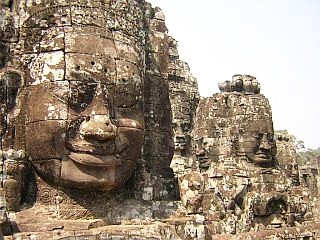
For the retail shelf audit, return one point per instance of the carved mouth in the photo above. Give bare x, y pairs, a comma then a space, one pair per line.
263, 157
263, 154
110, 147
80, 145
95, 160
105, 154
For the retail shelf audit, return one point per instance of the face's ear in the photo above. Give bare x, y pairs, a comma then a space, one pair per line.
11, 82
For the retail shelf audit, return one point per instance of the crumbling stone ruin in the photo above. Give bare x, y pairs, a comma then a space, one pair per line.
104, 135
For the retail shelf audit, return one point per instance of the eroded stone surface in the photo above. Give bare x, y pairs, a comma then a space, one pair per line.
96, 106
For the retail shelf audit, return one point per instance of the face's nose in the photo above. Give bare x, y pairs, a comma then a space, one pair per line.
98, 125
264, 143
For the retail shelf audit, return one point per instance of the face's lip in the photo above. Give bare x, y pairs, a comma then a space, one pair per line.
260, 157
263, 155
95, 160
110, 147
96, 153
90, 147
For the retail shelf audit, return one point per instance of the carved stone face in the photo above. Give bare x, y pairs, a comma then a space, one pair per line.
233, 125
84, 126
258, 144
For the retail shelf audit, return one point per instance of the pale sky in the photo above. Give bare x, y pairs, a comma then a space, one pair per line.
277, 41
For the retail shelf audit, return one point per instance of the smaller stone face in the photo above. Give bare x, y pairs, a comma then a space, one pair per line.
232, 124
287, 155
258, 144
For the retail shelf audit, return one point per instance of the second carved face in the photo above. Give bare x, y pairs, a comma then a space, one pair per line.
258, 144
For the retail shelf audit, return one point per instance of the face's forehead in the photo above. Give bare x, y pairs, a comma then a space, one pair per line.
64, 67
89, 53
64, 53
256, 126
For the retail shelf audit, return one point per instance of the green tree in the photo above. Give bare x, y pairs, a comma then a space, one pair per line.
308, 156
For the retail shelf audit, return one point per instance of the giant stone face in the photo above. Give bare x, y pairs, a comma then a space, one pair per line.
84, 115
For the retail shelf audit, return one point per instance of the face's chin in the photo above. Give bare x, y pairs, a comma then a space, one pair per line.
90, 176
94, 165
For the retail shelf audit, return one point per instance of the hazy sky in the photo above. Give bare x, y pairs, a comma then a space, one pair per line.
277, 41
